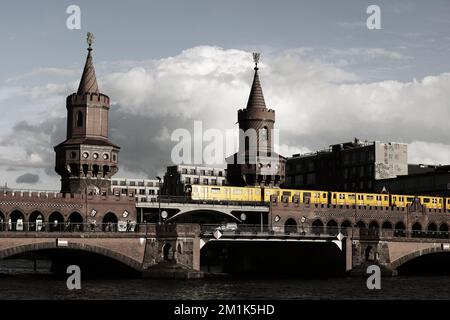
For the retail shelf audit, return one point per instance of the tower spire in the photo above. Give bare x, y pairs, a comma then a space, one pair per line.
88, 82
256, 98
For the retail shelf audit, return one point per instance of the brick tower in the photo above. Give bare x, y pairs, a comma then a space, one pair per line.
87, 160
256, 163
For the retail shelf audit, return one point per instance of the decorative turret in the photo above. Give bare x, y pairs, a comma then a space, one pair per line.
256, 163
87, 160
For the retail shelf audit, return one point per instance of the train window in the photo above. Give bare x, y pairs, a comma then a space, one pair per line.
237, 191
385, 198
341, 196
351, 196
369, 197
410, 199
287, 193
426, 200
334, 195
215, 190
324, 195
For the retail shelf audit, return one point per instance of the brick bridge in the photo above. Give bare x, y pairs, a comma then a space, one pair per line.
385, 236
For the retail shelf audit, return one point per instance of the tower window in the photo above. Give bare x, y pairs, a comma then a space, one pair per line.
265, 134
79, 119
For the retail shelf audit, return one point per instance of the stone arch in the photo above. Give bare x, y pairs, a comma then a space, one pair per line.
361, 224
432, 229
374, 225
34, 216
75, 221
3, 222
179, 248
56, 221
443, 227
386, 225
317, 226
14, 217
75, 246
410, 256
109, 222
399, 229
290, 226
345, 225
416, 229
332, 227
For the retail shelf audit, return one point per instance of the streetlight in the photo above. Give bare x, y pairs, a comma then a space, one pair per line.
159, 200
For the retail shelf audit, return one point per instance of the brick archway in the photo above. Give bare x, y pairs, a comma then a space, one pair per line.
134, 264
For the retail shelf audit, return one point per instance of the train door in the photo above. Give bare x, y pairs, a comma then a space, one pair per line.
307, 197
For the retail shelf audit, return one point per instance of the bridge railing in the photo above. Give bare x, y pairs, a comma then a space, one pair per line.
67, 227
258, 229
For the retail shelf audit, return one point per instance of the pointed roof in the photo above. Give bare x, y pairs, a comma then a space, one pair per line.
88, 82
256, 98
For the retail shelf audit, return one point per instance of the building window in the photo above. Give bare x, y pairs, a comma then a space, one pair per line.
220, 173
141, 183
79, 119
149, 184
184, 171
188, 180
114, 183
196, 180
142, 191
132, 183
205, 181
123, 183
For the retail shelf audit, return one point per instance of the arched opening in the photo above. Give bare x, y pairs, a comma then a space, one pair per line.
105, 171
432, 230
399, 230
386, 225
345, 227
416, 230
85, 169
332, 227
443, 230
95, 170
369, 253
16, 221
2, 222
179, 249
56, 221
166, 252
36, 221
110, 222
361, 225
75, 222
79, 119
317, 226
374, 228
290, 226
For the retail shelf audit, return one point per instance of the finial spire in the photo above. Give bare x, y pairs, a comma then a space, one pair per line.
256, 98
88, 82
90, 40
256, 56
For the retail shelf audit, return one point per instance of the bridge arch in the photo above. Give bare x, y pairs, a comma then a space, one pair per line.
134, 264
317, 226
76, 221
408, 257
332, 227
416, 229
14, 217
443, 227
387, 225
186, 214
290, 225
345, 225
361, 224
35, 215
56, 221
109, 222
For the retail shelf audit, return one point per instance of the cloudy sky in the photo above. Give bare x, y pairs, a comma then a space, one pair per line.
166, 64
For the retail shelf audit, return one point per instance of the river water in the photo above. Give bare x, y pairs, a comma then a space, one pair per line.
20, 283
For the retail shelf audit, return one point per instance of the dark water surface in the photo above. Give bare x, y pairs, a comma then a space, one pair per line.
19, 284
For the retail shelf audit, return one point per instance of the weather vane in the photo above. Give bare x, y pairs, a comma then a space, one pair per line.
90, 39
256, 56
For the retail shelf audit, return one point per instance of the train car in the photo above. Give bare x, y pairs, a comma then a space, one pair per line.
431, 202
447, 204
401, 200
373, 199
226, 193
290, 195
344, 198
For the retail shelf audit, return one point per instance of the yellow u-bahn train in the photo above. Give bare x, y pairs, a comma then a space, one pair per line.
257, 194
